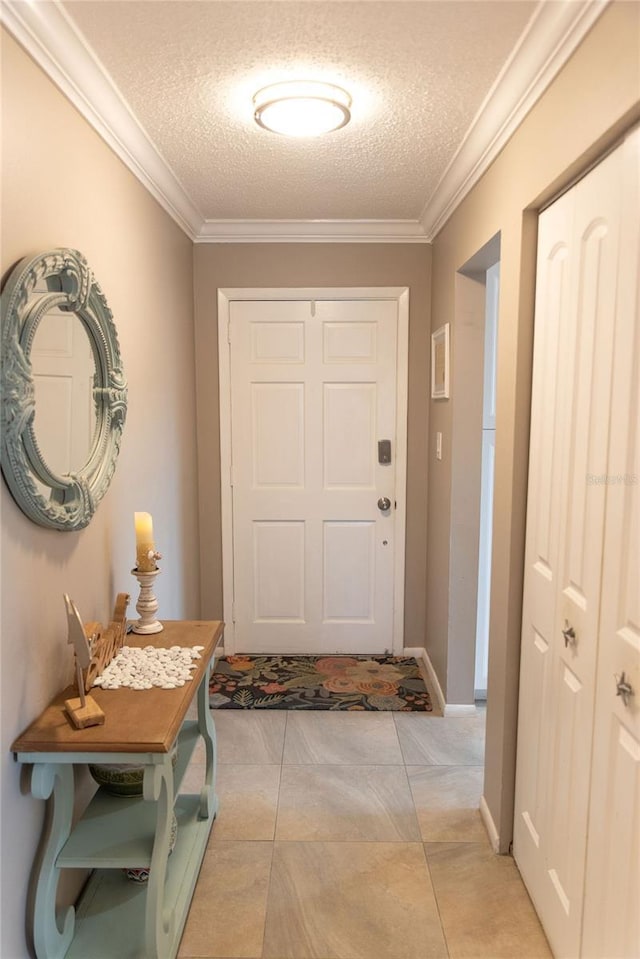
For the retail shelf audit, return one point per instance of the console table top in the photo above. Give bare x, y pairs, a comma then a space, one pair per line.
145, 721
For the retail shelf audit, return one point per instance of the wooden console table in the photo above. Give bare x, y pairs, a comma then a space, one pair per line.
116, 917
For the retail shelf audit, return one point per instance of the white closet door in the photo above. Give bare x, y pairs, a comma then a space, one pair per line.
575, 316
547, 447
612, 898
572, 685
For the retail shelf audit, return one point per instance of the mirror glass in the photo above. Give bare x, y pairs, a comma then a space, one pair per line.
63, 391
62, 367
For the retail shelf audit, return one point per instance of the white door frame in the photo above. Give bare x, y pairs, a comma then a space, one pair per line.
225, 296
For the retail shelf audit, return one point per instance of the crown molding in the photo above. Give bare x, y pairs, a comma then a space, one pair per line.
553, 33
311, 231
49, 36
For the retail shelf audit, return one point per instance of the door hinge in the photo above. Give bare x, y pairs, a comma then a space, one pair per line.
233, 612
231, 475
229, 331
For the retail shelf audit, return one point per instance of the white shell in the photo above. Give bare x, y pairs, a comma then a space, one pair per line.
148, 667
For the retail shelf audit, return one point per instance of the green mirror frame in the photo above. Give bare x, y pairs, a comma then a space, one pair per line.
70, 287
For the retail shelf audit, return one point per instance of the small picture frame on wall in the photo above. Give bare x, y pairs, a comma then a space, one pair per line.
440, 363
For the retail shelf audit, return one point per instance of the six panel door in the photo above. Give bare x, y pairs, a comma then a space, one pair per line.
313, 390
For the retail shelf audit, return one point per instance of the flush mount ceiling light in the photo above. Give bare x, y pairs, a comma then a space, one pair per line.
302, 109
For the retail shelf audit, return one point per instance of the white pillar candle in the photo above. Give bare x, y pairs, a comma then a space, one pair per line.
144, 543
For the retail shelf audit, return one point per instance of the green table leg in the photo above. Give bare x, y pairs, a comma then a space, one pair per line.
208, 797
52, 928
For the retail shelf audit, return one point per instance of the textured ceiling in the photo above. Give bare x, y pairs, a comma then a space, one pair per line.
417, 71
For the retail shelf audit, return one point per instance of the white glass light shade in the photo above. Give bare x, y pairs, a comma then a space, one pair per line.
302, 109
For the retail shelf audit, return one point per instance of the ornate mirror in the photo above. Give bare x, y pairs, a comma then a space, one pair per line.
63, 391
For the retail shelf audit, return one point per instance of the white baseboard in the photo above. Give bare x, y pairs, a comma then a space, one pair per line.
419, 652
447, 709
460, 709
489, 825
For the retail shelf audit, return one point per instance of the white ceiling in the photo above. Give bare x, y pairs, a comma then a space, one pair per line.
418, 72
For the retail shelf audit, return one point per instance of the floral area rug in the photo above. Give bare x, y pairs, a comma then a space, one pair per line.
318, 682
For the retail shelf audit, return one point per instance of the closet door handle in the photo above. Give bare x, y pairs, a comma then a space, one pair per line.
624, 689
569, 634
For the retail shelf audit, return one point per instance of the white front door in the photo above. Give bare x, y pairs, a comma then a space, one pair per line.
314, 448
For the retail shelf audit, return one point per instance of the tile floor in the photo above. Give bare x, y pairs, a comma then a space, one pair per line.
353, 836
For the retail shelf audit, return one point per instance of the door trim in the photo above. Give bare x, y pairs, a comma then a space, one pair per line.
225, 296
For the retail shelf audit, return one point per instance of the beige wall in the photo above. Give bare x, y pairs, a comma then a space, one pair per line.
593, 99
313, 265
63, 187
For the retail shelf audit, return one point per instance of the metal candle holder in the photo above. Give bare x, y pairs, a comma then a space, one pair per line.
147, 605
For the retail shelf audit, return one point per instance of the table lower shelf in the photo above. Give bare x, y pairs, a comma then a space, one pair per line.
111, 914
117, 831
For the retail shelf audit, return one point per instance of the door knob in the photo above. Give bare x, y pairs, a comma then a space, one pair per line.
624, 689
384, 504
569, 634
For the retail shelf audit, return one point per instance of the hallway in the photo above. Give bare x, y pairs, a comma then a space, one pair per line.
353, 836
